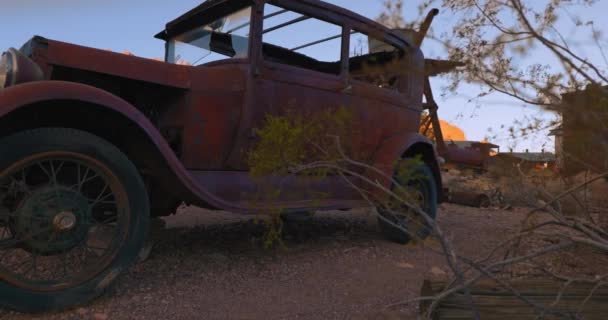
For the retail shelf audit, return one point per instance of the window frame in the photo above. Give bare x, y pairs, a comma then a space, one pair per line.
345, 22
388, 96
170, 43
354, 31
302, 9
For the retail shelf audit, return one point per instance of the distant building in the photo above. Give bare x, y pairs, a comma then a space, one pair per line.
581, 140
558, 134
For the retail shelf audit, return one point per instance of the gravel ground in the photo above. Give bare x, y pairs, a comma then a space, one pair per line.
211, 265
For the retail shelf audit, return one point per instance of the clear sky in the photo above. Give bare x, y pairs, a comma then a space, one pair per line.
121, 25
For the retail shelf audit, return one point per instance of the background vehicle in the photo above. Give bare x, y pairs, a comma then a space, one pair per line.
94, 143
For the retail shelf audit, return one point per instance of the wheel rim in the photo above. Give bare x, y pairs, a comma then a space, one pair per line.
63, 218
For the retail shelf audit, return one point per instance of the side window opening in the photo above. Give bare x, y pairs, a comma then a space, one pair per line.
376, 62
298, 40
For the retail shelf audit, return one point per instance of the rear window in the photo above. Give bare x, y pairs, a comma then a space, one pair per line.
374, 61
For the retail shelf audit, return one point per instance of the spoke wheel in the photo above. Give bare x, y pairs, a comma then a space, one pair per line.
67, 216
73, 214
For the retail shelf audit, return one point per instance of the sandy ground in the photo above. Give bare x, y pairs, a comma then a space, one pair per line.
211, 265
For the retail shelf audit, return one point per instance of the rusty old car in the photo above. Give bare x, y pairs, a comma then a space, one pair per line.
94, 144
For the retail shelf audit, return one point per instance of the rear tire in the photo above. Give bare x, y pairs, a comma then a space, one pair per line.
421, 178
80, 230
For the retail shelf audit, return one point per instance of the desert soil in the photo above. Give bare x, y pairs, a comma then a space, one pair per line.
211, 265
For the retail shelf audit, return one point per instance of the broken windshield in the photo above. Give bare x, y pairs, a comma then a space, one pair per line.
225, 38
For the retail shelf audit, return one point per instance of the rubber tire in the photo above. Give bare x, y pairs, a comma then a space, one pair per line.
27, 143
399, 236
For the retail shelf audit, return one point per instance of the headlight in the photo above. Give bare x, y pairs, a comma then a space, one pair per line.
16, 68
7, 63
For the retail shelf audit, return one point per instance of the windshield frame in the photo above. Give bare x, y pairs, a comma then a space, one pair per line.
172, 42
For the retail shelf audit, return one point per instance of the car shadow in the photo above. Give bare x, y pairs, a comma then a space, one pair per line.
253, 234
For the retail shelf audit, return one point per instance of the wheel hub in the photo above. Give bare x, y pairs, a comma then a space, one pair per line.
53, 220
64, 221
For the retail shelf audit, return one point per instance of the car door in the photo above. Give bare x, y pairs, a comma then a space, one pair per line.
296, 73
300, 72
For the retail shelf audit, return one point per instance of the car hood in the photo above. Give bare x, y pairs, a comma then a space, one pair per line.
57, 53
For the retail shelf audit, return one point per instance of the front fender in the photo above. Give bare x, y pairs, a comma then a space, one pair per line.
171, 170
402, 146
22, 95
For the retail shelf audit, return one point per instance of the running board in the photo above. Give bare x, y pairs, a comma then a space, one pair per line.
290, 192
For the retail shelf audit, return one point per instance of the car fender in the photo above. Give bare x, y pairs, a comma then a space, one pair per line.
403, 146
15, 97
23, 95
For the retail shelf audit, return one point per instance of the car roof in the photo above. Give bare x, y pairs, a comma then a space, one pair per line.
213, 9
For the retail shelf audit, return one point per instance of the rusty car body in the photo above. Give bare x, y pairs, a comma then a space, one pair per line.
188, 127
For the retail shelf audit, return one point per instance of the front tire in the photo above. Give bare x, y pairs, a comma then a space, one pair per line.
419, 178
74, 214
